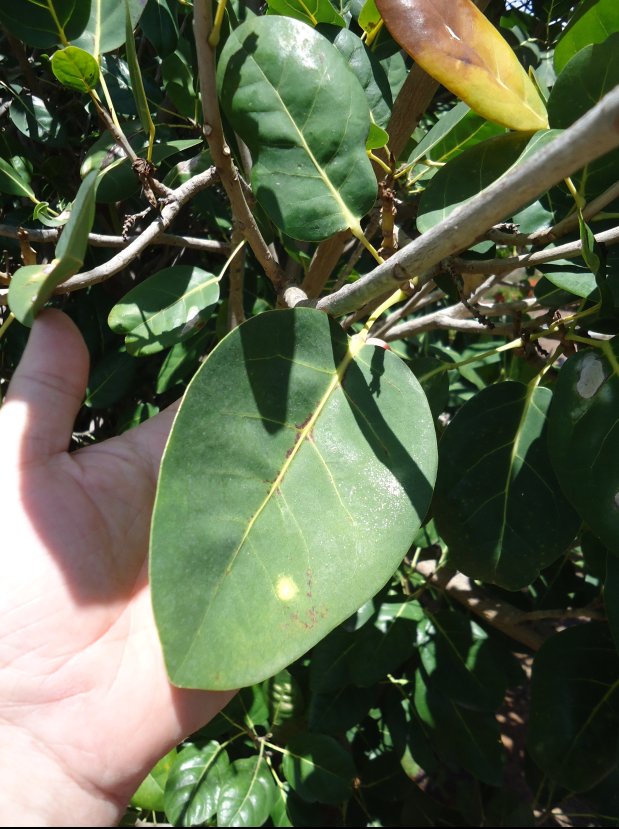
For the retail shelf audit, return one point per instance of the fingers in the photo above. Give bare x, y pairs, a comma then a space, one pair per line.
47, 389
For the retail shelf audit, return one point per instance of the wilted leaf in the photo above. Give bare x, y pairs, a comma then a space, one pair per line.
459, 47
242, 560
290, 96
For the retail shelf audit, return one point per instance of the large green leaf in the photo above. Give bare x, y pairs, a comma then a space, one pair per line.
159, 24
291, 504
469, 739
584, 81
33, 285
166, 308
318, 768
593, 21
105, 29
464, 662
497, 503
194, 783
474, 169
40, 24
303, 114
584, 438
368, 70
573, 731
247, 793
34, 119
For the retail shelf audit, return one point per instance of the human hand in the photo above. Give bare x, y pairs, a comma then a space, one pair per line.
86, 708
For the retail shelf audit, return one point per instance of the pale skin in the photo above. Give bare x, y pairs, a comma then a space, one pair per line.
85, 705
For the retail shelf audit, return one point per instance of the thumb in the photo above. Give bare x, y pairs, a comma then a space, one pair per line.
47, 389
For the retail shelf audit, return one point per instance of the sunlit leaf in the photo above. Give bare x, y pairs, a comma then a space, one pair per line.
592, 22
12, 182
247, 793
75, 68
149, 795
193, 784
458, 46
283, 405
305, 131
309, 11
105, 29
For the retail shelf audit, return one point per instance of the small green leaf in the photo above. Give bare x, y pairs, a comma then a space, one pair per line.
149, 795
573, 733
497, 503
583, 437
110, 379
164, 309
377, 137
75, 68
307, 134
247, 793
33, 118
11, 182
319, 769
194, 784
283, 404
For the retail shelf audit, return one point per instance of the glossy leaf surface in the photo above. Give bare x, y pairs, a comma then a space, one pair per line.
459, 47
497, 503
166, 308
573, 733
318, 768
105, 29
290, 96
247, 793
12, 182
309, 11
243, 561
40, 24
194, 782
593, 22
75, 69
584, 439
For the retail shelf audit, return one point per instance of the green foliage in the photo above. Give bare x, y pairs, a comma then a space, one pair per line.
300, 548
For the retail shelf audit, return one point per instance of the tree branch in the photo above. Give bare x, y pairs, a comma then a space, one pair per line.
169, 211
500, 615
593, 135
49, 236
220, 152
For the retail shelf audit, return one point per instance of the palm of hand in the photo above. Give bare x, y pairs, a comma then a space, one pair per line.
82, 667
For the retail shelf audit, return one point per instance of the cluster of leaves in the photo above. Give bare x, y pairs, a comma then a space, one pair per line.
303, 467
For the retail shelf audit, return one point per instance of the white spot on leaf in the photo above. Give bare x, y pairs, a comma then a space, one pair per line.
591, 376
286, 588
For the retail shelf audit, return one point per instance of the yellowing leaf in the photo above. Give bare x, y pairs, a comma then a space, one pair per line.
458, 46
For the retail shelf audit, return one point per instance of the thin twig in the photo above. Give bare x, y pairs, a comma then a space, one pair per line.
534, 258
593, 135
169, 211
236, 277
49, 236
